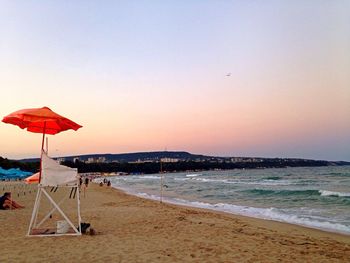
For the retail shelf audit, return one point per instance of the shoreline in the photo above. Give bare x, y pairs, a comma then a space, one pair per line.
134, 229
190, 204
269, 222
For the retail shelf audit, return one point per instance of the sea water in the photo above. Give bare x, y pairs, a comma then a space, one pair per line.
317, 197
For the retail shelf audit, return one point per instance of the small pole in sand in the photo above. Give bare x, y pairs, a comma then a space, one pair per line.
161, 181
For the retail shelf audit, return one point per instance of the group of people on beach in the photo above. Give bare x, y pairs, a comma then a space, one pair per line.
84, 181
105, 181
6, 202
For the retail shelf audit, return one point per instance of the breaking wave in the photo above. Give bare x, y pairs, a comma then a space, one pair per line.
331, 193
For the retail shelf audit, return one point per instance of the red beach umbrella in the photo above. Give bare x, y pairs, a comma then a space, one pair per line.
40, 120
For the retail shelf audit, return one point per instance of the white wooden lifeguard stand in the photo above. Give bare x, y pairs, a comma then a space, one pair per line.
55, 176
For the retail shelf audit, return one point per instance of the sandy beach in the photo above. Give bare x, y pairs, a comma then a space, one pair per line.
131, 229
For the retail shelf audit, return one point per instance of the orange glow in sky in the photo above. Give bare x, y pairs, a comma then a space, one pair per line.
218, 78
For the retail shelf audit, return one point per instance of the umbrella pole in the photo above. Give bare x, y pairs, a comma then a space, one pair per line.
43, 140
41, 152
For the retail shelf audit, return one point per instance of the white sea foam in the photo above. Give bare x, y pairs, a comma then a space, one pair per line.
208, 180
149, 177
245, 182
331, 193
192, 175
148, 196
275, 182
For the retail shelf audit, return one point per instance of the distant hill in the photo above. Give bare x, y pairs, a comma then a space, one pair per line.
130, 157
186, 156
148, 162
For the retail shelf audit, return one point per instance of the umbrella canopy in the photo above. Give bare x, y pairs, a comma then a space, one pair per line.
40, 120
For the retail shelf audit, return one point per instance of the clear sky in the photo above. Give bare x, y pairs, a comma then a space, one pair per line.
152, 75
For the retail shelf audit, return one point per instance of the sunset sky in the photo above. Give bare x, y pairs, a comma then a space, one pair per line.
153, 75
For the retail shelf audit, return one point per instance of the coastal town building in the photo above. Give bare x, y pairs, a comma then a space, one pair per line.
169, 160
96, 160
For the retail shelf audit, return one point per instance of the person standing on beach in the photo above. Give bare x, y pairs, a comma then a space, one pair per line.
80, 182
86, 182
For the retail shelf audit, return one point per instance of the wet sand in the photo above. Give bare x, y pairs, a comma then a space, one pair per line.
132, 229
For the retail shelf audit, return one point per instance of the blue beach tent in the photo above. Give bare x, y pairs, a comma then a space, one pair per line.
13, 173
